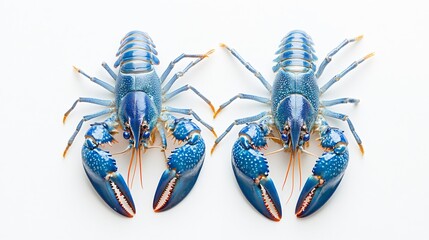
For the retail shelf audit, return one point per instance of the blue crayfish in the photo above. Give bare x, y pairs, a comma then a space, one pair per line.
137, 108
296, 112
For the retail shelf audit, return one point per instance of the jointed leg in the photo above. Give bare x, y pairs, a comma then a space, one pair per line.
109, 70
337, 77
243, 96
261, 78
239, 122
249, 67
182, 56
343, 117
328, 103
185, 88
101, 102
84, 119
176, 76
161, 131
328, 58
105, 85
190, 112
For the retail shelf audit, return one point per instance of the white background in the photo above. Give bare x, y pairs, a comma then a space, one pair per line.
383, 194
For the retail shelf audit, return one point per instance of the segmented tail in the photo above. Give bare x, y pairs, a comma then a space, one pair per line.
137, 53
296, 53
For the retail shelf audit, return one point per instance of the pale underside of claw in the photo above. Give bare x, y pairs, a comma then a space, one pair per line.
270, 205
174, 187
123, 201
315, 194
184, 166
114, 192
101, 169
327, 174
166, 195
303, 205
306, 202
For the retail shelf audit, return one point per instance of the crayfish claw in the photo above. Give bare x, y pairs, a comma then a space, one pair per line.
261, 193
114, 191
184, 165
315, 193
101, 168
327, 173
173, 187
251, 171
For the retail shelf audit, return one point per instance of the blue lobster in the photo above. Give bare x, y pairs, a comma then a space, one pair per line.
139, 111
296, 112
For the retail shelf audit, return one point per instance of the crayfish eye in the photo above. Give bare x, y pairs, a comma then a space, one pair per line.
126, 135
146, 134
304, 133
306, 137
145, 126
285, 133
285, 137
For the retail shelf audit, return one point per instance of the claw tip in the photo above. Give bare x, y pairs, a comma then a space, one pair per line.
76, 69
223, 45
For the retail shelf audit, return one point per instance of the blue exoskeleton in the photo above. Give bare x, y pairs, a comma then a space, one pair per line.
138, 109
296, 112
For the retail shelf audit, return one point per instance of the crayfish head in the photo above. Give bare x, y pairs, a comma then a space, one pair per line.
136, 113
296, 117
